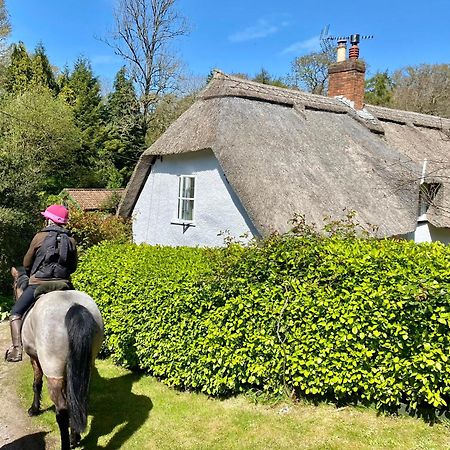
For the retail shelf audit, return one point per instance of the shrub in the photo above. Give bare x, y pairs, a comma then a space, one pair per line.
16, 232
340, 318
92, 227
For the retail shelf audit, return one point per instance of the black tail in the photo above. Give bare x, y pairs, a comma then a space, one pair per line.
81, 328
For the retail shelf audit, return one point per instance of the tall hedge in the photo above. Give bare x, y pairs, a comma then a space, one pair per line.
338, 318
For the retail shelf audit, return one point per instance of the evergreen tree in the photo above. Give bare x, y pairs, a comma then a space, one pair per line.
81, 90
42, 72
379, 89
124, 132
264, 77
18, 74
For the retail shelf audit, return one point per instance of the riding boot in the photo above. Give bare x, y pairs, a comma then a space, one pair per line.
14, 353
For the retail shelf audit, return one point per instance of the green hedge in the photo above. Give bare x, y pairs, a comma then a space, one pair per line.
337, 318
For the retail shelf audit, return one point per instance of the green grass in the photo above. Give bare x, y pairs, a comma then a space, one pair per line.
131, 411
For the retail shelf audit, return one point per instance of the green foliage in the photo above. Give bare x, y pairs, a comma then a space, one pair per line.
81, 90
264, 77
92, 227
169, 108
379, 89
15, 228
42, 71
5, 306
39, 144
124, 132
27, 71
340, 318
18, 74
310, 71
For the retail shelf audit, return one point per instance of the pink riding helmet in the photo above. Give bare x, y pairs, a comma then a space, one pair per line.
57, 213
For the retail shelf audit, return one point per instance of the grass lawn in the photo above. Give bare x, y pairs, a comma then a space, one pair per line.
131, 411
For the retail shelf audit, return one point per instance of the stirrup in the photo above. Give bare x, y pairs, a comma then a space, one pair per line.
13, 354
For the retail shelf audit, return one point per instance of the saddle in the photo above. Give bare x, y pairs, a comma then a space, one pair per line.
50, 286
45, 288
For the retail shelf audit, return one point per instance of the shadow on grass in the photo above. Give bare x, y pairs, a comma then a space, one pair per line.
34, 441
113, 405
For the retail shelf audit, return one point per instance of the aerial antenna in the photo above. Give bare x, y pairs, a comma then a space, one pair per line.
323, 39
354, 39
324, 33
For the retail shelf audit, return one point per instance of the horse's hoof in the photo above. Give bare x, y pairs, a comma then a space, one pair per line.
33, 412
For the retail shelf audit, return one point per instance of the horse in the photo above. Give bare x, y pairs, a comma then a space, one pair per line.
62, 334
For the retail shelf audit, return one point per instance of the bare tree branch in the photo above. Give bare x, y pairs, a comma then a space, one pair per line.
143, 34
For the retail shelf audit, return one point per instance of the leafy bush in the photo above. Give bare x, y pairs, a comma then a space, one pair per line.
15, 235
340, 318
92, 227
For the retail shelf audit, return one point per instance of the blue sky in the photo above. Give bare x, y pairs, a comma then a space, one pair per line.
245, 35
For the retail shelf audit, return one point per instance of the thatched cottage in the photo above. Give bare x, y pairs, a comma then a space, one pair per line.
245, 157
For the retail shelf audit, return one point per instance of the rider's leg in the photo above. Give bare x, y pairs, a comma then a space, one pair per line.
14, 353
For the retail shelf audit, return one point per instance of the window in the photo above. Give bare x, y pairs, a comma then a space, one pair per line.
186, 197
428, 192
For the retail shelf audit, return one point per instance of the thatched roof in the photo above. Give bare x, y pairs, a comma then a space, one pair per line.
285, 151
92, 199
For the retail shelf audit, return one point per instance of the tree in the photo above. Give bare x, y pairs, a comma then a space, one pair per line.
124, 133
81, 90
144, 30
25, 70
264, 77
39, 143
38, 147
42, 72
168, 110
424, 88
310, 72
379, 89
5, 28
19, 72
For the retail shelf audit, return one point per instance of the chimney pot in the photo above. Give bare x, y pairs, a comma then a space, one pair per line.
354, 52
341, 50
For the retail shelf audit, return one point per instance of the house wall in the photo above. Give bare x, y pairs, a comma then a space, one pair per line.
425, 232
217, 207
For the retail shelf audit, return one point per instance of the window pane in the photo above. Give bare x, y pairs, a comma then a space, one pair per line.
188, 187
187, 209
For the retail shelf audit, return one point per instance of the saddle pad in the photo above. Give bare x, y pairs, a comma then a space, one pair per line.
50, 286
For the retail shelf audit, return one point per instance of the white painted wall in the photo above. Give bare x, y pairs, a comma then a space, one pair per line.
217, 207
425, 232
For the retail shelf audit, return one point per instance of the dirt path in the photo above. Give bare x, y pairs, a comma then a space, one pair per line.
17, 430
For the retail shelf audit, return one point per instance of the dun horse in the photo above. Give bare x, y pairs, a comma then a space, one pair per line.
62, 334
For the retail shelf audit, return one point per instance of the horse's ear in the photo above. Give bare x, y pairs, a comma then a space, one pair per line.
14, 272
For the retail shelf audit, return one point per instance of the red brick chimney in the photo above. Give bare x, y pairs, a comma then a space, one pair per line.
346, 77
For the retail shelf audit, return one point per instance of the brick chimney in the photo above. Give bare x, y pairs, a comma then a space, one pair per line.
346, 76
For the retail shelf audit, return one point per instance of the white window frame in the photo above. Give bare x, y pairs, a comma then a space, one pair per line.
180, 199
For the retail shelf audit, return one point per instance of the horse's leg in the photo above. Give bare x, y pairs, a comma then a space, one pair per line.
37, 387
56, 391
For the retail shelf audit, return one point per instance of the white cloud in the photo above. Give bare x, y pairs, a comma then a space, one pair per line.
261, 30
308, 45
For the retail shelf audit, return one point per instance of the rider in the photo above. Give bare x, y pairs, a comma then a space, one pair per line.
52, 256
